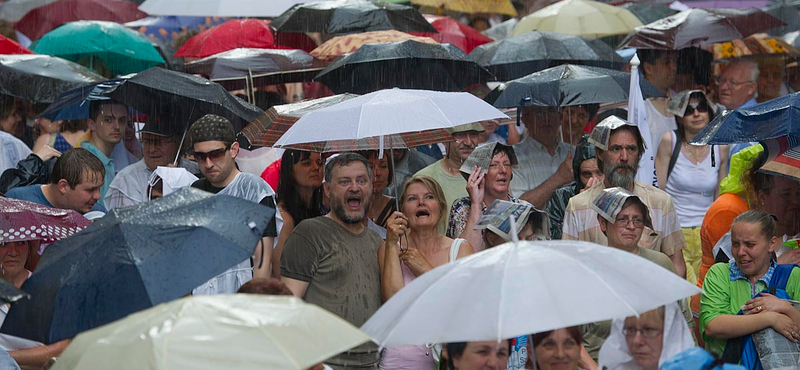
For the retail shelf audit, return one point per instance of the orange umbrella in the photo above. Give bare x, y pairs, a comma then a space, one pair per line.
346, 44
759, 44
471, 6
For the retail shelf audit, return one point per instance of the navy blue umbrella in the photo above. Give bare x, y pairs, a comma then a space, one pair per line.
74, 104
134, 258
769, 120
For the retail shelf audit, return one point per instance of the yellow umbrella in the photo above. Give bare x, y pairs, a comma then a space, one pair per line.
471, 6
584, 18
758, 45
346, 44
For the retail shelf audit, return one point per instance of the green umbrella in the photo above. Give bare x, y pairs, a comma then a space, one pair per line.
101, 46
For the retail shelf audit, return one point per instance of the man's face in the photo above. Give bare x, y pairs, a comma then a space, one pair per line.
541, 122
111, 123
216, 160
663, 71
158, 150
464, 144
770, 79
734, 86
83, 197
621, 160
350, 192
589, 169
573, 120
624, 233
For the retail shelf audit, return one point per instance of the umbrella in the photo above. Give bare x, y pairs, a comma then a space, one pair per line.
242, 331
406, 64
579, 17
40, 78
534, 51
471, 6
46, 18
351, 16
698, 27
9, 46
502, 30
788, 12
181, 97
239, 68
391, 118
783, 157
97, 43
758, 45
772, 119
730, 4
133, 258
218, 8
499, 293
456, 33
9, 293
167, 27
74, 104
568, 84
346, 44
268, 127
647, 12
242, 33
22, 220
14, 10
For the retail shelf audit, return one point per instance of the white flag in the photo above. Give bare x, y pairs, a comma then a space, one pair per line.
638, 116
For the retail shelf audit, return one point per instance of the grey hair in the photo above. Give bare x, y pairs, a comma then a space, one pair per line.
345, 159
752, 67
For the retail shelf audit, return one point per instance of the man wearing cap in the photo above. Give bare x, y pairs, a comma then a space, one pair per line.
160, 144
446, 170
619, 147
215, 149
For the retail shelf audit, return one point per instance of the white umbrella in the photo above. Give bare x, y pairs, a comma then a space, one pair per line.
218, 8
523, 288
242, 331
14, 10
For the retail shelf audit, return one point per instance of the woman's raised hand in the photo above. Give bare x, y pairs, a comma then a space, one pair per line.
396, 225
475, 185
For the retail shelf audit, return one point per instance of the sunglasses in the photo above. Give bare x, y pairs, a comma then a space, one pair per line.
690, 108
214, 154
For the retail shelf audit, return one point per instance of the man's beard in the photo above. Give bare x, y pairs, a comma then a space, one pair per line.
338, 209
622, 180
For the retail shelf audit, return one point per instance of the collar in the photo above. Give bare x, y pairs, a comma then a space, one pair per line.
737, 274
97, 152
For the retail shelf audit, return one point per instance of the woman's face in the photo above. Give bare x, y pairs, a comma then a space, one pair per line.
13, 256
498, 176
783, 201
308, 172
696, 116
751, 249
9, 123
380, 173
420, 206
488, 355
645, 338
559, 351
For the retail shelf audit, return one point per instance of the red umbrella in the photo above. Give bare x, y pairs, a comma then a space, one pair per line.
242, 33
9, 46
23, 220
46, 18
454, 32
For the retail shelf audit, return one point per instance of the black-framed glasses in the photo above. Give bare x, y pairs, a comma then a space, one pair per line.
624, 221
700, 107
630, 332
215, 155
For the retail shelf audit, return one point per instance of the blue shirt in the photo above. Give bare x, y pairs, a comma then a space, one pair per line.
108, 163
34, 193
737, 274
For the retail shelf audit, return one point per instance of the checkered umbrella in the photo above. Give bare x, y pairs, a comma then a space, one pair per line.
22, 220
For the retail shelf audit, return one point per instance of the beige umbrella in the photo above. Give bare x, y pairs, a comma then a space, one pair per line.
471, 6
580, 17
243, 331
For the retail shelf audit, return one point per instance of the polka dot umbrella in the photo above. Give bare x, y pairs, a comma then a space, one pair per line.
22, 220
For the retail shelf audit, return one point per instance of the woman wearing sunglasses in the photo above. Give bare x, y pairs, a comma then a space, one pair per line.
691, 173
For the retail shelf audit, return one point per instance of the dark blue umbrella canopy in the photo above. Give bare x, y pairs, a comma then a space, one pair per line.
769, 120
74, 104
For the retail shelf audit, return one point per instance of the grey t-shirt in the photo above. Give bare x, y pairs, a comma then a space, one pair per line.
343, 275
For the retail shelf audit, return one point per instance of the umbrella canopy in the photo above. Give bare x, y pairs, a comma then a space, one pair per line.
218, 8
351, 16
181, 97
568, 84
242, 331
698, 27
233, 68
47, 18
388, 118
531, 52
579, 17
22, 220
242, 33
346, 44
456, 33
498, 293
502, 30
471, 6
788, 11
41, 78
648, 12
167, 27
9, 46
74, 104
97, 43
133, 258
772, 119
759, 45
268, 127
9, 293
14, 10
782, 157
406, 64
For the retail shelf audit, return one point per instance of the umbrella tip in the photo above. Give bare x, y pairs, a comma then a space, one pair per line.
635, 60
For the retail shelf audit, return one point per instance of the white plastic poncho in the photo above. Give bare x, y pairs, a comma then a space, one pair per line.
677, 338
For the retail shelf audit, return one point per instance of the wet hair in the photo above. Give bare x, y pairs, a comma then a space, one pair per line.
344, 159
650, 56
701, 99
764, 220
266, 286
73, 163
756, 181
7, 104
574, 332
95, 107
433, 186
456, 350
369, 154
288, 193
639, 143
751, 65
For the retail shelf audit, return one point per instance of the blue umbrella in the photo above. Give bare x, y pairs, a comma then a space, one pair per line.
74, 104
135, 258
769, 120
167, 27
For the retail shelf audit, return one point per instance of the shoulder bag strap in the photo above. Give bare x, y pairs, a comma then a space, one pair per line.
454, 248
675, 152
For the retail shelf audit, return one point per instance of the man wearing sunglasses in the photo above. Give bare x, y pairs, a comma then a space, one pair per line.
215, 149
160, 146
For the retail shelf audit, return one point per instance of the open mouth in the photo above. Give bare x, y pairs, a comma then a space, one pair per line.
501, 181
422, 213
354, 202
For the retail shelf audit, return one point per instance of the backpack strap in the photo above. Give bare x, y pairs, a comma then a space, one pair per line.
676, 150
780, 276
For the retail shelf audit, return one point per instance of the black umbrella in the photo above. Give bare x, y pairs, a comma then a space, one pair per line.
40, 78
405, 64
351, 16
134, 258
649, 12
9, 293
568, 84
534, 51
181, 98
788, 12
74, 104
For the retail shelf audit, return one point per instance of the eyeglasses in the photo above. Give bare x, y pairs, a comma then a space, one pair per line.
630, 332
700, 107
159, 143
724, 81
624, 221
215, 155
